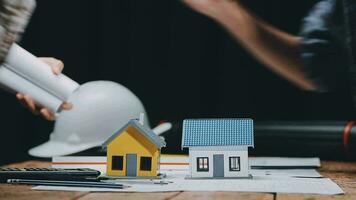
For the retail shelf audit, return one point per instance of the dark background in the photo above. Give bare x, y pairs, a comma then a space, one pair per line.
179, 63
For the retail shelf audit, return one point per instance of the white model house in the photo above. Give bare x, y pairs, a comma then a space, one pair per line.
218, 148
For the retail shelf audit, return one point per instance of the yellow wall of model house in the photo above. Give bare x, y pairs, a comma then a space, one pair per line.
131, 141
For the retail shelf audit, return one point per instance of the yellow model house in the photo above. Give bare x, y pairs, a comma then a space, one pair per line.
133, 151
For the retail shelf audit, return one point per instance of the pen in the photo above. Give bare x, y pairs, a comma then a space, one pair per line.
137, 181
67, 183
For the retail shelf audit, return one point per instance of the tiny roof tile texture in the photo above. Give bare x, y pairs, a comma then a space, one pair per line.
217, 132
148, 133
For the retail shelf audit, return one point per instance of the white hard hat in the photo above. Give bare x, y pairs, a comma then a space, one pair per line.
99, 109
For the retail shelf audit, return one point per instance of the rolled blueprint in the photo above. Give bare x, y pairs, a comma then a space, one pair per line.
19, 84
25, 73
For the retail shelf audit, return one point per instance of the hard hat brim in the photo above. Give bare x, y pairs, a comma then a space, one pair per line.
57, 148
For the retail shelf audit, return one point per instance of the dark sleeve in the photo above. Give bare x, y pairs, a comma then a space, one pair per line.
322, 48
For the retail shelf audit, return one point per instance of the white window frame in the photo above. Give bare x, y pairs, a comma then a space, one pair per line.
234, 164
202, 164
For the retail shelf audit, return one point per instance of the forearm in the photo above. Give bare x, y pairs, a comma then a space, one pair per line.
278, 50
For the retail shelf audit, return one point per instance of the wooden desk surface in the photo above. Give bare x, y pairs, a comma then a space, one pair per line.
342, 173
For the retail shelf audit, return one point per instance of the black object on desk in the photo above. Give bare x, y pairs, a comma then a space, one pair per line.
325, 139
67, 183
78, 174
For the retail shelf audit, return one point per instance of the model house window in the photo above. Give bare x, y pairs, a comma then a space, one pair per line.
145, 163
117, 162
234, 163
202, 164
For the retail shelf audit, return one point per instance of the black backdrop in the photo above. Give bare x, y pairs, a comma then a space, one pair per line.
178, 62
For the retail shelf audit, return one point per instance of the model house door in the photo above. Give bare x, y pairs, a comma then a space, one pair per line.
218, 162
131, 165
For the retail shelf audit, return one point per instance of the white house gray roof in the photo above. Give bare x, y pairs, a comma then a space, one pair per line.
217, 132
148, 133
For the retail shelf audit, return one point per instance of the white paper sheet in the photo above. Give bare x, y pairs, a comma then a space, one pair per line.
264, 180
292, 185
272, 162
174, 162
268, 173
286, 173
92, 162
181, 162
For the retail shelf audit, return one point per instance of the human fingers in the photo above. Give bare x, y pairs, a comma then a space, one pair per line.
48, 115
67, 106
30, 104
56, 65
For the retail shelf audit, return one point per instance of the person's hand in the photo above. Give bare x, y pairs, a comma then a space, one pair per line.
211, 8
57, 67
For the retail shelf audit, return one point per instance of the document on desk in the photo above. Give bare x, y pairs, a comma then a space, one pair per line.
323, 186
284, 162
286, 173
270, 174
181, 162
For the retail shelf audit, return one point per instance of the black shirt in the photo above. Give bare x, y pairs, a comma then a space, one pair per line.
329, 46
324, 49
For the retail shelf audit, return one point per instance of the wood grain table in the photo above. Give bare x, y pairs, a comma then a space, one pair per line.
343, 173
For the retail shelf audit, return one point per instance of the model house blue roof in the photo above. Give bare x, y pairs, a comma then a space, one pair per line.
217, 132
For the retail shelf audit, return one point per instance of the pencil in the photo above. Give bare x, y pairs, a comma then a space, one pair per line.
67, 183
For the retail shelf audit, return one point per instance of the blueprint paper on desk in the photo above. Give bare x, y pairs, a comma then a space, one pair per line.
75, 189
92, 162
292, 185
176, 169
283, 162
286, 173
181, 162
